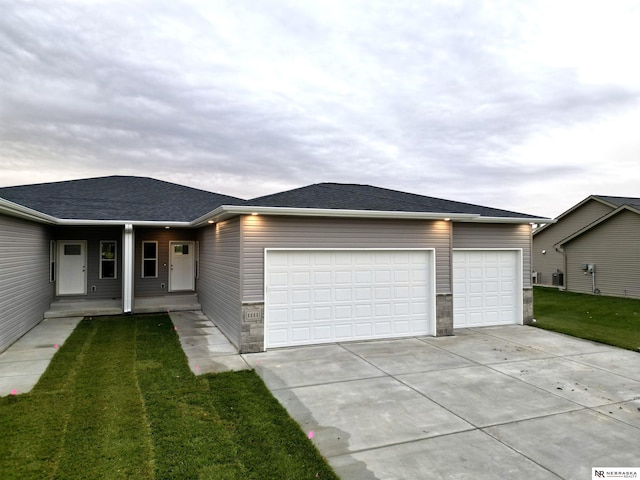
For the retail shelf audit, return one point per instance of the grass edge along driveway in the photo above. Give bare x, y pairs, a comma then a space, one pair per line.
611, 320
119, 401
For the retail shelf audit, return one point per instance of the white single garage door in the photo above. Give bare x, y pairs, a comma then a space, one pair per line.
486, 288
321, 296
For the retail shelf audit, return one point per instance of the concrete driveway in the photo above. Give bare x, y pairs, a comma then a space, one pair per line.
495, 402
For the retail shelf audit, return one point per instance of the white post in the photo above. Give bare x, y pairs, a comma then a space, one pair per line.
128, 256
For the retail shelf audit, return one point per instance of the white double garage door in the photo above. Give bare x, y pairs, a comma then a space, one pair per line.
323, 296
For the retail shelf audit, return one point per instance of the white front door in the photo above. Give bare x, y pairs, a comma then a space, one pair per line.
181, 271
72, 267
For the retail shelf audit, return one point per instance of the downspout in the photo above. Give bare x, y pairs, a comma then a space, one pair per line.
127, 268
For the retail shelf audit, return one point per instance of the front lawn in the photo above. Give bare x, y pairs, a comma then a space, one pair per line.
611, 320
119, 401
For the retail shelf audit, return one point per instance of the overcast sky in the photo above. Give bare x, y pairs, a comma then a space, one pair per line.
524, 105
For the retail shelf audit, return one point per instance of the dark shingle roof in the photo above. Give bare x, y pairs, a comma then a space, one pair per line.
619, 201
118, 198
365, 197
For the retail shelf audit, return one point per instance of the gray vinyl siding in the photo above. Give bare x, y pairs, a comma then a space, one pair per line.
149, 287
260, 232
614, 248
548, 263
105, 288
25, 290
478, 235
219, 283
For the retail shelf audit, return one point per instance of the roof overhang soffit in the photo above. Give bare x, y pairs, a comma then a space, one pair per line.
227, 211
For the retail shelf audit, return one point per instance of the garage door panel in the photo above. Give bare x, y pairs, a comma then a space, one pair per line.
485, 288
343, 277
301, 314
383, 328
363, 311
343, 331
321, 278
321, 295
364, 330
383, 310
348, 295
363, 277
300, 296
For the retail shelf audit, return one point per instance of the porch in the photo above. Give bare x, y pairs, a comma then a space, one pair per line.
85, 307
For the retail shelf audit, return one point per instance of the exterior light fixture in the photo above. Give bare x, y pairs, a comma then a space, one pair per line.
447, 219
210, 222
254, 213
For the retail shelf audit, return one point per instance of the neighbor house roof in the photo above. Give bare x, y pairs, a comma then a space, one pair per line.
620, 201
613, 202
365, 197
117, 198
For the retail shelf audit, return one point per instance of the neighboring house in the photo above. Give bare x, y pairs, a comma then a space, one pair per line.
323, 263
592, 248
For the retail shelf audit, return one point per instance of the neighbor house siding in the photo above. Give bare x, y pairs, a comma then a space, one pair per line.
262, 231
548, 263
148, 287
475, 235
25, 289
614, 248
219, 283
97, 288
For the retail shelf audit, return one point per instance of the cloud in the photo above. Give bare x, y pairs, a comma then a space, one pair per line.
477, 101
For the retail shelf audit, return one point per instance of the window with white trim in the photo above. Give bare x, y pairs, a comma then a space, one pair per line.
149, 259
108, 257
52, 261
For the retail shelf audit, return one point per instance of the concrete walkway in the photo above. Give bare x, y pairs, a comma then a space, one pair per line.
24, 362
496, 402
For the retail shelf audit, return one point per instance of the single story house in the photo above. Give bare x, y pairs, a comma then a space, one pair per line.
322, 263
592, 248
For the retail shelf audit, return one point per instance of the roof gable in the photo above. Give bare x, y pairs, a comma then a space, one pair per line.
365, 197
600, 221
117, 198
609, 201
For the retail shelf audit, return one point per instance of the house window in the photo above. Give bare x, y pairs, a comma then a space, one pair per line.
149, 259
107, 259
52, 261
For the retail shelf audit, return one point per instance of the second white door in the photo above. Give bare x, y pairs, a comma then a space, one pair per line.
182, 264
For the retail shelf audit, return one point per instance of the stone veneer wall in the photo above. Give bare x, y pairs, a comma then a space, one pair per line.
527, 306
444, 315
252, 333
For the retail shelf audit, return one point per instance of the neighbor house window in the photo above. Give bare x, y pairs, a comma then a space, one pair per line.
107, 259
149, 259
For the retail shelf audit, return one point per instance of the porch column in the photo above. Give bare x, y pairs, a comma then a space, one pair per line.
128, 258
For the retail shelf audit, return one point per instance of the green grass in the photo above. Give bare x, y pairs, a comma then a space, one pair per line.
119, 401
611, 320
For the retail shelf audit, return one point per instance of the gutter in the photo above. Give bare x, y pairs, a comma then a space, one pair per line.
481, 219
16, 210
225, 211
